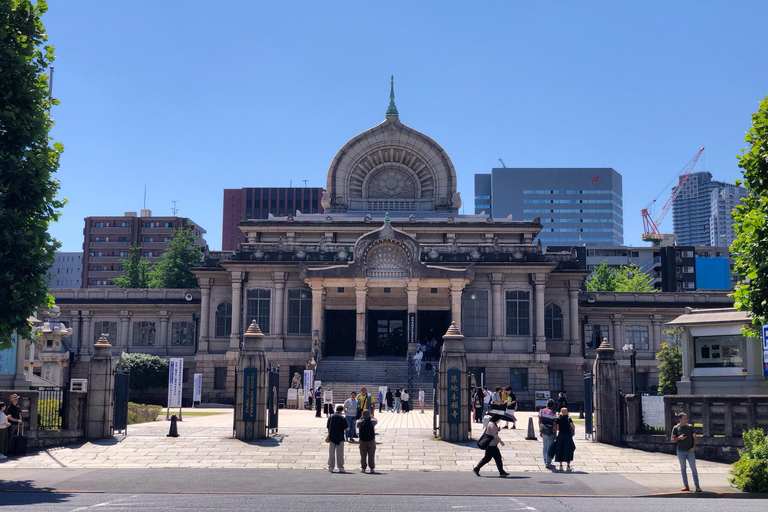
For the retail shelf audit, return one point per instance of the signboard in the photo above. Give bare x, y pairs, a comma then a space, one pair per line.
653, 410
249, 394
307, 383
454, 395
541, 399
197, 394
411, 327
293, 394
8, 358
765, 350
175, 375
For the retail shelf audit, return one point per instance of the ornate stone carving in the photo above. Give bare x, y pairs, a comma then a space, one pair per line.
386, 257
391, 183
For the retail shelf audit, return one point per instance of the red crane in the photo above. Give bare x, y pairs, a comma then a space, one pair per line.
651, 226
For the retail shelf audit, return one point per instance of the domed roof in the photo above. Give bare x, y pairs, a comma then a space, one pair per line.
391, 167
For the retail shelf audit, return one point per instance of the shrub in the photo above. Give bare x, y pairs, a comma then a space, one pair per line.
750, 472
49, 412
147, 371
140, 413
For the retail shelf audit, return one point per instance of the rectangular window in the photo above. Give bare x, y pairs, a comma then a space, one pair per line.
147, 239
555, 382
299, 312
518, 315
123, 253
125, 224
220, 378
257, 308
108, 328
594, 334
688, 270
474, 312
183, 334
144, 334
98, 224
718, 351
96, 267
518, 379
637, 335
122, 239
98, 239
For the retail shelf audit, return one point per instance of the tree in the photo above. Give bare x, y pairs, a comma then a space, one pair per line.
602, 279
136, 269
28, 160
172, 271
750, 248
147, 371
627, 278
671, 367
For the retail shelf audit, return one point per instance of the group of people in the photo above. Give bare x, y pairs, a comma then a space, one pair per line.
352, 420
430, 349
10, 424
395, 401
557, 431
484, 400
399, 400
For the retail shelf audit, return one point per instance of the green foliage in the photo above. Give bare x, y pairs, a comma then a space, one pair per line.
147, 371
136, 270
140, 413
28, 160
750, 472
628, 278
172, 271
750, 248
49, 412
671, 367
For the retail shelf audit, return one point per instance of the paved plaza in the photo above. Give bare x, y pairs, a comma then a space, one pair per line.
404, 443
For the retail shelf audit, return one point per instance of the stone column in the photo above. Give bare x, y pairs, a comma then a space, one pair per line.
656, 320
279, 279
453, 393
77, 338
237, 293
125, 325
251, 391
573, 311
457, 285
541, 338
87, 331
605, 373
618, 338
412, 290
162, 338
205, 315
101, 390
361, 295
497, 312
317, 319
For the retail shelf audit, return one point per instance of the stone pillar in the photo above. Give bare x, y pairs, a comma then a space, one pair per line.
279, 279
19, 379
317, 319
361, 294
205, 315
125, 324
605, 373
163, 341
457, 285
101, 389
77, 338
656, 320
453, 392
412, 290
497, 312
618, 338
541, 338
87, 330
251, 391
573, 311
237, 293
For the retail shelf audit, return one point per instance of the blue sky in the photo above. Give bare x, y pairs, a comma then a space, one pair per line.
191, 97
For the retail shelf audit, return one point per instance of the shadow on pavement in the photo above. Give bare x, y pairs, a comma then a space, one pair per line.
24, 492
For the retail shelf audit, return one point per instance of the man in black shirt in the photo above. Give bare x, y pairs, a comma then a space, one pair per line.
337, 425
684, 436
13, 412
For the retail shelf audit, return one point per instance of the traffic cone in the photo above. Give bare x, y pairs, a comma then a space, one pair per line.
174, 431
531, 434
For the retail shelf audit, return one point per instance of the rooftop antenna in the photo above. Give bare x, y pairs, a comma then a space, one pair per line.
290, 183
174, 210
502, 163
305, 183
145, 196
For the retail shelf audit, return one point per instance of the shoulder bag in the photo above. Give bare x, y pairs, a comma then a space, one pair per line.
485, 440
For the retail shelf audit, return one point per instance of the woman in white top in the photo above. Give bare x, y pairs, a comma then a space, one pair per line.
405, 398
421, 399
4, 424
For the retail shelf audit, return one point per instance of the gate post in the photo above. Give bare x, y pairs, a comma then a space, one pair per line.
252, 386
453, 392
606, 375
101, 389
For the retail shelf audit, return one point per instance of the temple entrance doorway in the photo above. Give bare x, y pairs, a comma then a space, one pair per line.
340, 325
387, 333
432, 325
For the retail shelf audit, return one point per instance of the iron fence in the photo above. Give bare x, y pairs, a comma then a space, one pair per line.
50, 407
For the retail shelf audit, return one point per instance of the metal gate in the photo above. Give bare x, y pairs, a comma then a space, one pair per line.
588, 413
120, 419
50, 407
273, 392
435, 399
234, 416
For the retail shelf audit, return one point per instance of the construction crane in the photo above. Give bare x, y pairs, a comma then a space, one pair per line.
651, 226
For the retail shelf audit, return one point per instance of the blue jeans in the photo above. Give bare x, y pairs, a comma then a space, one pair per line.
397, 405
690, 457
548, 440
485, 407
350, 433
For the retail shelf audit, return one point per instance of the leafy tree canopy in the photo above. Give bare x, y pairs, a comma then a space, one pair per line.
135, 270
627, 278
671, 367
28, 160
750, 248
147, 371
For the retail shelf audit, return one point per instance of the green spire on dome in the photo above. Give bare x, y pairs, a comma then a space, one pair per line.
392, 110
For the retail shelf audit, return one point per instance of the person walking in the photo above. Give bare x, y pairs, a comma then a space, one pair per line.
417, 362
364, 402
336, 426
380, 397
479, 398
350, 414
486, 399
547, 419
367, 442
318, 402
562, 401
4, 431
421, 399
492, 451
564, 446
398, 395
405, 400
390, 398
684, 437
311, 398
511, 401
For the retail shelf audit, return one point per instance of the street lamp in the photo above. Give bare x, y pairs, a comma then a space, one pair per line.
630, 347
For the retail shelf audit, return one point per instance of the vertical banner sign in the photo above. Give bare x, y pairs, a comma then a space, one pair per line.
175, 373
249, 394
307, 384
411, 327
8, 357
197, 395
765, 350
454, 395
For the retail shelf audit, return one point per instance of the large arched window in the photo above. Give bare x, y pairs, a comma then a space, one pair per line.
553, 322
224, 319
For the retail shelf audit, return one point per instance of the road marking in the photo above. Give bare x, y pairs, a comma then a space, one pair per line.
523, 506
90, 507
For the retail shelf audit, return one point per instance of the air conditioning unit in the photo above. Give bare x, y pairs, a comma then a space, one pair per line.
78, 385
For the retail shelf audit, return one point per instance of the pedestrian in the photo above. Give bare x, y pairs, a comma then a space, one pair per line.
421, 399
311, 398
367, 441
13, 412
479, 400
405, 400
364, 402
684, 437
486, 399
328, 403
390, 401
398, 396
564, 447
562, 401
511, 401
381, 398
417, 362
492, 451
4, 431
547, 419
318, 402
336, 425
350, 414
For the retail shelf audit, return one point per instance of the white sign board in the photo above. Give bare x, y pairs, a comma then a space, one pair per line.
197, 395
175, 373
307, 383
541, 398
293, 394
653, 410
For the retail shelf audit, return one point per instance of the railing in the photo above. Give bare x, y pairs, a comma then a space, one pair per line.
50, 407
648, 266
718, 415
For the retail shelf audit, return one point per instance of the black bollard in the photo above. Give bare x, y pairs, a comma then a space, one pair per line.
531, 433
581, 412
174, 432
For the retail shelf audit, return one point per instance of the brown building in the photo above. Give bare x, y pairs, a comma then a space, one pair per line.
108, 241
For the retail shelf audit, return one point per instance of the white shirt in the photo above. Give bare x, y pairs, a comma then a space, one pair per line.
3, 420
405, 396
421, 395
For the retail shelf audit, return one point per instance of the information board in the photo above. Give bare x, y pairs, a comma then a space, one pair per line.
307, 384
653, 410
454, 395
197, 394
175, 375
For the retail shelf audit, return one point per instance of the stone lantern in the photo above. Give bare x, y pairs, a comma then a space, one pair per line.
53, 357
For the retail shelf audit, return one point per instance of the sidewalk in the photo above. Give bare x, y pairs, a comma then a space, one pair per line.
405, 443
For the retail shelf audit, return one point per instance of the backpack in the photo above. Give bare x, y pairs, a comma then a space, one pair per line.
366, 431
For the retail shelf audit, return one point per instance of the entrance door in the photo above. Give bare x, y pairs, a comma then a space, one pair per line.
340, 326
387, 333
433, 324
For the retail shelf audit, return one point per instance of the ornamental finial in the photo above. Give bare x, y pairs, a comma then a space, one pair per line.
392, 110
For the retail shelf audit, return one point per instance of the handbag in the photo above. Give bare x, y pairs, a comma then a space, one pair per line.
485, 440
328, 438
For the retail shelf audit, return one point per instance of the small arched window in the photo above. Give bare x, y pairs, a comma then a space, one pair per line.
553, 322
224, 319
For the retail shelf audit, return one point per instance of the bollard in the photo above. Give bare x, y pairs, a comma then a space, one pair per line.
531, 434
581, 412
174, 431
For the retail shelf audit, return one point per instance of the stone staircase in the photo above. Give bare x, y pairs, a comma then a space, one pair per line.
344, 375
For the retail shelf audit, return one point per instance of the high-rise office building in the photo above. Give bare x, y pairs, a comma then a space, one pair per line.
259, 203
722, 203
576, 206
67, 270
108, 241
692, 209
